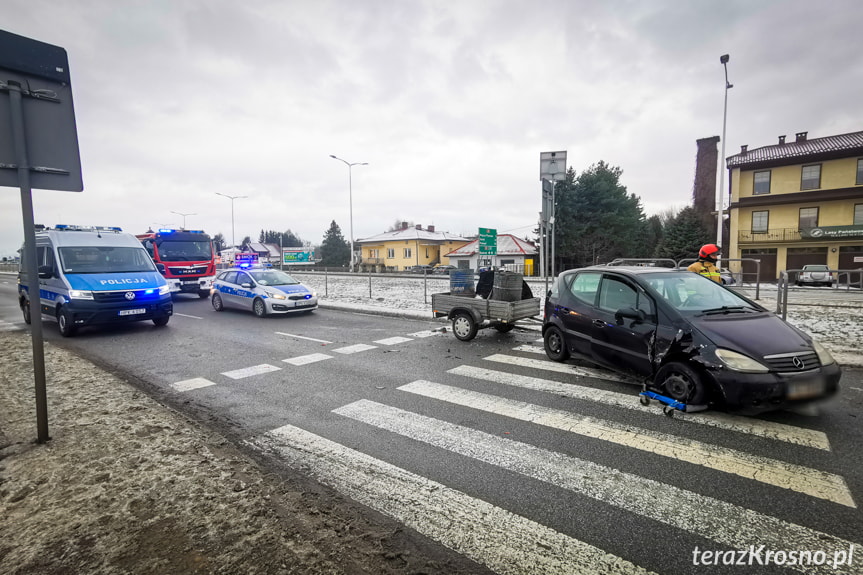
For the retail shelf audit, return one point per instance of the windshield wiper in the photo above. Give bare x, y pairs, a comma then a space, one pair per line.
727, 309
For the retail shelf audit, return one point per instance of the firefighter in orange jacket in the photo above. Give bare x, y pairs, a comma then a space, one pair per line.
706, 264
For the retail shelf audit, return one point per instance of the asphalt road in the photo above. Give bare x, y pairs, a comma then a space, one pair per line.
490, 449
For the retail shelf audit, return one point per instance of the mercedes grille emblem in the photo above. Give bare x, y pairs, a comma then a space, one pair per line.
798, 363
130, 295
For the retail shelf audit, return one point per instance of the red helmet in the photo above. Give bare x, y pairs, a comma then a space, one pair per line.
708, 251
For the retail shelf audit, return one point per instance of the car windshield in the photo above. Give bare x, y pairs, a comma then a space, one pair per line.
105, 259
272, 278
687, 291
184, 251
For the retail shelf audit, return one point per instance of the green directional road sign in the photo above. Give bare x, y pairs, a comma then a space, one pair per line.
487, 242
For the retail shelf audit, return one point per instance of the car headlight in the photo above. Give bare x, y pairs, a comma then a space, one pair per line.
824, 356
740, 362
276, 295
165, 289
80, 294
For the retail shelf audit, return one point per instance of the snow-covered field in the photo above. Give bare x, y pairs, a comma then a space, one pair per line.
832, 316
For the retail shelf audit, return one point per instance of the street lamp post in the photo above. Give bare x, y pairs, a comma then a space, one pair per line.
232, 198
350, 200
721, 192
184, 217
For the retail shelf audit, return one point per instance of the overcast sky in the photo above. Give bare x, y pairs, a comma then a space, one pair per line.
449, 102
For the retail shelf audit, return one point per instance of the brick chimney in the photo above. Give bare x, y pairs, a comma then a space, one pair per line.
431, 228
404, 225
743, 148
782, 140
801, 136
419, 226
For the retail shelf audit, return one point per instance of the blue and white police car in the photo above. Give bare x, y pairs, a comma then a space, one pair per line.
262, 290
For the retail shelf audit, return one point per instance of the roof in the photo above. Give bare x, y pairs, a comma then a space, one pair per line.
412, 233
507, 245
271, 249
816, 149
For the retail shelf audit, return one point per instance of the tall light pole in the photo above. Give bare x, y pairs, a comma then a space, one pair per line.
350, 200
721, 192
232, 198
184, 217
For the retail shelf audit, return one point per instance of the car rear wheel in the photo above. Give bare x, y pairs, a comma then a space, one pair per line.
259, 307
66, 323
681, 382
555, 345
25, 309
464, 327
218, 305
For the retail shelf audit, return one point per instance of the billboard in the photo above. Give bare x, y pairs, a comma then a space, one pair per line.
296, 256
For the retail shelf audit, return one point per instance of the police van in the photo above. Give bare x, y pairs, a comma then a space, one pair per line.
94, 275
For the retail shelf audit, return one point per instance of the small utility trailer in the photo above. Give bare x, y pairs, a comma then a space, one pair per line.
470, 314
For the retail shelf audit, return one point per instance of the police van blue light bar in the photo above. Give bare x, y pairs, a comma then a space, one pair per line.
68, 227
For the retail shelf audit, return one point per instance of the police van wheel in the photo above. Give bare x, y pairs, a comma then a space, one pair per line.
160, 321
259, 307
217, 303
25, 309
64, 319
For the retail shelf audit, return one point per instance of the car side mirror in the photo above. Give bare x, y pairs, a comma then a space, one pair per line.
629, 313
246, 285
161, 268
45, 272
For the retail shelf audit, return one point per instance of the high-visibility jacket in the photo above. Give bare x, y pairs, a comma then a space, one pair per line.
707, 269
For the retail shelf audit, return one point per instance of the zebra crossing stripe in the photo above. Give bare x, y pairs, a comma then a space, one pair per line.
757, 427
539, 350
725, 523
548, 365
506, 543
190, 384
306, 359
250, 371
393, 340
798, 478
356, 348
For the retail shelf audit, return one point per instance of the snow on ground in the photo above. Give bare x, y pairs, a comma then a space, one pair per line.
832, 316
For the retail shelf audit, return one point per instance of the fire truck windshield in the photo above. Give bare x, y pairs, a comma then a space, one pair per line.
184, 251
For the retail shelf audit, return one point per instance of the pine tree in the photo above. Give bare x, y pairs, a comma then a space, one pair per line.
683, 236
334, 250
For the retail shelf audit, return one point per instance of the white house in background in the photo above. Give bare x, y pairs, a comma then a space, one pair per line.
513, 253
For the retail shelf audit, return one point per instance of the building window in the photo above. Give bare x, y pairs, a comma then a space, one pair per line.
391, 253
811, 177
761, 183
808, 218
858, 214
860, 172
407, 252
759, 222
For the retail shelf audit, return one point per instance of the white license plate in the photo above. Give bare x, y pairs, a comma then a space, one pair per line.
805, 389
192, 283
303, 303
132, 311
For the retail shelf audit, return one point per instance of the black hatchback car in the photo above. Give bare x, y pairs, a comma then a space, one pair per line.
686, 336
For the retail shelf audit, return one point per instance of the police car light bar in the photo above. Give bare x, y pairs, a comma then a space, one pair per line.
171, 231
75, 228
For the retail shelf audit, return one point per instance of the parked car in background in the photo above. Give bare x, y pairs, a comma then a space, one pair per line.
443, 269
815, 275
727, 277
423, 269
687, 337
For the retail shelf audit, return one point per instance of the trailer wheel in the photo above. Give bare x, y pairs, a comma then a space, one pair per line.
504, 327
64, 320
681, 382
464, 327
555, 344
25, 309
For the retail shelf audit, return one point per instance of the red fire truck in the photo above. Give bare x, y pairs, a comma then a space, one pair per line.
184, 257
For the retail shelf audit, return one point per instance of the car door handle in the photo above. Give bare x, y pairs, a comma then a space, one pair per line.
599, 323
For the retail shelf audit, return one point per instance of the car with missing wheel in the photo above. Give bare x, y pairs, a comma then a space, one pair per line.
685, 337
264, 291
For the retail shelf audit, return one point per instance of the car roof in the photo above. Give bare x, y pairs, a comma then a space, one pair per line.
628, 270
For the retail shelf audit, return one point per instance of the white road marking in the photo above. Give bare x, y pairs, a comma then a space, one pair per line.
190, 384
725, 523
425, 333
306, 359
549, 365
856, 388
393, 340
186, 315
303, 337
356, 348
798, 478
8, 326
250, 371
530, 349
506, 543
767, 429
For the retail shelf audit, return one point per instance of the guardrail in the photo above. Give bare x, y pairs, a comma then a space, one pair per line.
785, 280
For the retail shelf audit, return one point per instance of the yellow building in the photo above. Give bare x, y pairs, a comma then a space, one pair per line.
406, 247
797, 203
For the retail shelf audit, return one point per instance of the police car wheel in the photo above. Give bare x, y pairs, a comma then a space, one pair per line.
217, 303
25, 309
64, 320
259, 307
